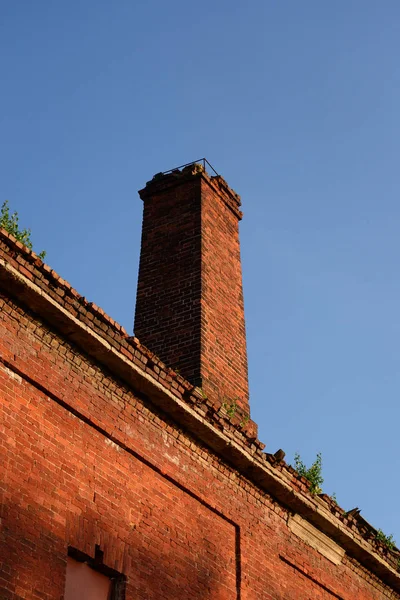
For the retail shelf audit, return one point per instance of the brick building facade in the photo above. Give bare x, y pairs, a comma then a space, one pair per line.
129, 465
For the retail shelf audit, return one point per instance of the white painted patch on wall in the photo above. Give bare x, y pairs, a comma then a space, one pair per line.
174, 459
11, 373
113, 444
316, 539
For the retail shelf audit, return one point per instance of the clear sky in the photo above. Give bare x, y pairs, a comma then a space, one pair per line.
296, 104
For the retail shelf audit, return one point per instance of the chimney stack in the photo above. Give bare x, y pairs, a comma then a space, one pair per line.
189, 308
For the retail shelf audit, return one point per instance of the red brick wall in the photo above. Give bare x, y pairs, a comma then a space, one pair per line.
85, 461
224, 353
168, 303
189, 307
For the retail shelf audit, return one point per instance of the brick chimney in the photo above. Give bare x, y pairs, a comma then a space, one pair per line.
189, 308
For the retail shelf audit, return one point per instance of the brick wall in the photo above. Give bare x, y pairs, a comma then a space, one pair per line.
168, 303
88, 459
224, 353
189, 307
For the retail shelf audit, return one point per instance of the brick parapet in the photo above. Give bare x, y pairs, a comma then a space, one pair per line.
28, 264
234, 445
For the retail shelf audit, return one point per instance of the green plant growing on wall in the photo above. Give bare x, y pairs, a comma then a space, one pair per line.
388, 540
230, 408
244, 421
312, 474
203, 394
9, 222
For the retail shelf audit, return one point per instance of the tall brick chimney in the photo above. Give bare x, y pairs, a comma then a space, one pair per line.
189, 308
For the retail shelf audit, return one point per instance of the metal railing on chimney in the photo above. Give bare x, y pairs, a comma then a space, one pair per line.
201, 161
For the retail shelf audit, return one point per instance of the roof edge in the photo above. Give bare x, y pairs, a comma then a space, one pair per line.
144, 372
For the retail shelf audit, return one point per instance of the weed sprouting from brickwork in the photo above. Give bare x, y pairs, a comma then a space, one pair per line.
203, 394
387, 540
312, 474
9, 222
230, 406
244, 421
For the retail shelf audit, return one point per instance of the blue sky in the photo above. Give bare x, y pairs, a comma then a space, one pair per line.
296, 104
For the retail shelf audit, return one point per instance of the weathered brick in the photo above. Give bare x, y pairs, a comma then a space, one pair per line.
91, 455
189, 307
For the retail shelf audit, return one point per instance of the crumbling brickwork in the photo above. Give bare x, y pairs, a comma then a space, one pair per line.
105, 451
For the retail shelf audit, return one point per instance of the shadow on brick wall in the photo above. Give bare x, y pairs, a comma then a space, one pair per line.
33, 553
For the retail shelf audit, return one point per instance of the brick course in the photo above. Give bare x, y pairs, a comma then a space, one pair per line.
102, 444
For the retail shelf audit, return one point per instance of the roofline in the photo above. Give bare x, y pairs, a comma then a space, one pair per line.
125, 358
